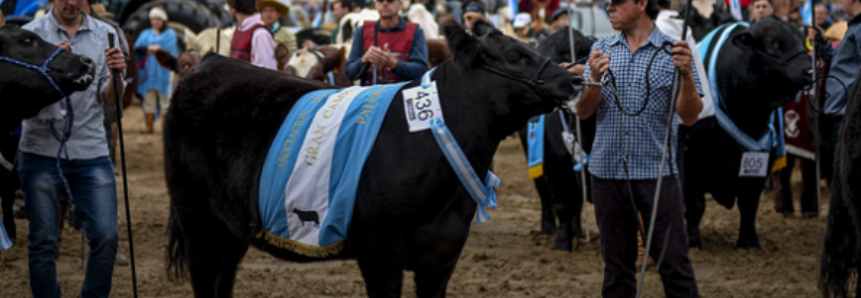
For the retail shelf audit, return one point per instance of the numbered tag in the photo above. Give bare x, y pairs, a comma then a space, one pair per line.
753, 164
421, 105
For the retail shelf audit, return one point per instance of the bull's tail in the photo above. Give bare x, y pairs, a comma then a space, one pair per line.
839, 257
177, 264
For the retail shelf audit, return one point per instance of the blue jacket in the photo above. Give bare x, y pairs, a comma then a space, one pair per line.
845, 64
152, 75
410, 70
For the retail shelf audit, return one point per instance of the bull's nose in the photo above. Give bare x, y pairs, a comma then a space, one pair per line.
577, 80
86, 60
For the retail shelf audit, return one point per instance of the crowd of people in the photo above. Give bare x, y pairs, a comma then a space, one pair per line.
393, 49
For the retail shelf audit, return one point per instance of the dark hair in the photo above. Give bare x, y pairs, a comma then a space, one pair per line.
770, 2
664, 4
243, 6
348, 4
473, 6
652, 8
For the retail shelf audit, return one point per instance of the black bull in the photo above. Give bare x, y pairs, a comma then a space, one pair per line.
839, 260
560, 185
25, 92
758, 70
411, 211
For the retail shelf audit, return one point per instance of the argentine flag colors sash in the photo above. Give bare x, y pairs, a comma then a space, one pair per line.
5, 243
311, 173
535, 146
710, 47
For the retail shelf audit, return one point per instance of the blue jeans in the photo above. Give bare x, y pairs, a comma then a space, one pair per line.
94, 192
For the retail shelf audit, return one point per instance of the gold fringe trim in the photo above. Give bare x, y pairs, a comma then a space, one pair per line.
780, 163
302, 248
536, 171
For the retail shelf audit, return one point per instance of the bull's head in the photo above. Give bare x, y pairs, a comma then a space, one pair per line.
26, 91
528, 83
778, 57
182, 65
557, 46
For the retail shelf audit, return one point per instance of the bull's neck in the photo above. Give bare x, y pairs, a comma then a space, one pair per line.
745, 105
468, 115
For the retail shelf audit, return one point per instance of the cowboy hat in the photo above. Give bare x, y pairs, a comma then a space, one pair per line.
283, 6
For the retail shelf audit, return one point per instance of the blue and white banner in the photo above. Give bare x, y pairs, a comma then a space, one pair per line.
735, 9
535, 146
311, 173
805, 11
5, 242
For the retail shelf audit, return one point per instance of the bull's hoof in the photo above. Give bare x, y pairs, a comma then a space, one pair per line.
564, 238
694, 240
548, 228
749, 244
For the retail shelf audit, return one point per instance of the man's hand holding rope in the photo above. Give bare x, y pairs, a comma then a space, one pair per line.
689, 104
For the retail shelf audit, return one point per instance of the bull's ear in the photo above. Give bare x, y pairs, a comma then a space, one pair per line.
743, 40
166, 60
463, 46
482, 27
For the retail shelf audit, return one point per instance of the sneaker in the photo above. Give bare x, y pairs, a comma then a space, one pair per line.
122, 260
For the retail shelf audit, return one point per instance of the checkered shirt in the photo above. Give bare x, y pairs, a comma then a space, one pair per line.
640, 137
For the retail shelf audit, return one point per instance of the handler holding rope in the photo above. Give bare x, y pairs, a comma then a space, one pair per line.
83, 170
633, 107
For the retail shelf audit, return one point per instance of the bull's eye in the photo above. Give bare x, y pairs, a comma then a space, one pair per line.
27, 40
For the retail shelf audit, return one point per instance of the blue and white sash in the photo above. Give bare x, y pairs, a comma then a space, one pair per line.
310, 176
5, 242
773, 139
535, 146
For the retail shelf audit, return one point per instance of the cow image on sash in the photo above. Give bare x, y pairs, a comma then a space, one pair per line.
400, 44
240, 46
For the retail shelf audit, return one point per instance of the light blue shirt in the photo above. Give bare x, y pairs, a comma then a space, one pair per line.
88, 132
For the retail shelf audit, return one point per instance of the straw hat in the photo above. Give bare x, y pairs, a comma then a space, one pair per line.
283, 6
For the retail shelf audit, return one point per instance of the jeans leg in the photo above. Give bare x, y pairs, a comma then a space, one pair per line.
42, 187
677, 273
618, 225
95, 193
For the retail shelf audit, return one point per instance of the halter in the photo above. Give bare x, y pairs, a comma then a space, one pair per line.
533, 83
68, 132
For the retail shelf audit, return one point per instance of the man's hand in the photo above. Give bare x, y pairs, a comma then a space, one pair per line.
812, 33
379, 57
682, 57
114, 59
599, 63
153, 48
65, 44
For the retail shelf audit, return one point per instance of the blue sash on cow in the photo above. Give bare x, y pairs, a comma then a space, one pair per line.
535, 146
710, 46
5, 242
310, 176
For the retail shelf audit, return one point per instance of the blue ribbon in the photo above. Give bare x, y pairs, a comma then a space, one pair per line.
482, 193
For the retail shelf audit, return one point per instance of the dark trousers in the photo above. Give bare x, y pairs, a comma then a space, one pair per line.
783, 187
617, 222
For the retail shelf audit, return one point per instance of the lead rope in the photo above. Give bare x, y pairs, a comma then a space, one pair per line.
579, 131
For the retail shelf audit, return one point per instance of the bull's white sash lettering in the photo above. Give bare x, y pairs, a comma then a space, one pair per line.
753, 164
421, 105
311, 173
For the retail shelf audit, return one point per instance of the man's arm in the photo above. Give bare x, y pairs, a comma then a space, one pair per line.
688, 104
591, 99
418, 62
263, 49
354, 63
115, 63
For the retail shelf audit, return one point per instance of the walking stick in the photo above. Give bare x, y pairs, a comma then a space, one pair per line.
119, 107
579, 131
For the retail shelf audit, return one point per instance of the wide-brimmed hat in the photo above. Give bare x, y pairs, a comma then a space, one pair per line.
283, 6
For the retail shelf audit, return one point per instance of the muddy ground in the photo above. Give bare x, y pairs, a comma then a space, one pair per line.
505, 257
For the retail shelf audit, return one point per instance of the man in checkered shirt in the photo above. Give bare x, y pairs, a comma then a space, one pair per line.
630, 147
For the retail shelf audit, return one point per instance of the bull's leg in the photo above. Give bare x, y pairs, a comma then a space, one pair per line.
235, 250
569, 203
748, 204
695, 207
548, 218
432, 284
383, 272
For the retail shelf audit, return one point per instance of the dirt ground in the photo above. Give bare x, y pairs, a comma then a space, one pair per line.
504, 257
